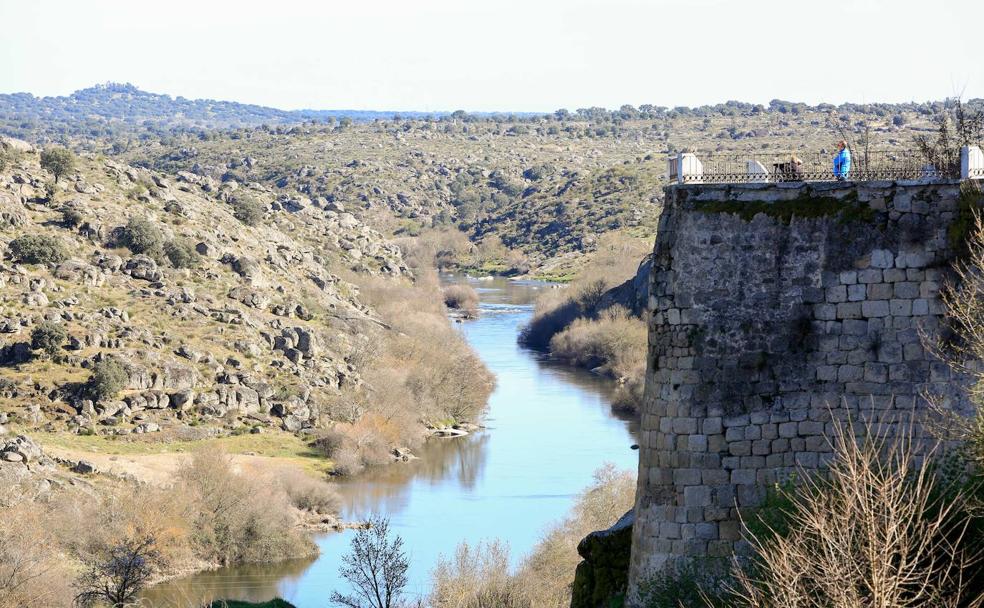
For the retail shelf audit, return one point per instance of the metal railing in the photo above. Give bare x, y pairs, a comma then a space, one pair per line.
871, 165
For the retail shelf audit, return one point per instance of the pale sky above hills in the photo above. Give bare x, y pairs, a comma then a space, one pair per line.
521, 55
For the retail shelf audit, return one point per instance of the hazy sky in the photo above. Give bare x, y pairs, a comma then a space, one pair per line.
535, 55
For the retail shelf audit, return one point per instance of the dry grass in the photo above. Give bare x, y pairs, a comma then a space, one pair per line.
476, 577
876, 531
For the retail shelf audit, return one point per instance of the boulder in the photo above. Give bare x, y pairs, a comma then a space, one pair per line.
604, 573
143, 267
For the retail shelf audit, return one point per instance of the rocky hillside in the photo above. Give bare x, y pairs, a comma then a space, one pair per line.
513, 191
133, 301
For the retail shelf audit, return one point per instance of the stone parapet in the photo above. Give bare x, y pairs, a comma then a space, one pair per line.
776, 308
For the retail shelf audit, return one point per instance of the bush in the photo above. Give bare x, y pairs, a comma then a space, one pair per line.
58, 161
238, 519
143, 236
309, 494
71, 217
876, 529
37, 249
247, 210
181, 254
108, 378
616, 341
461, 297
48, 337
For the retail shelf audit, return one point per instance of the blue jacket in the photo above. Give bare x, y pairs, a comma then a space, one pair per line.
842, 163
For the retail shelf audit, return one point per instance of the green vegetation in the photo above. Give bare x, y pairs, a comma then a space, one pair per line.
804, 207
247, 209
37, 249
58, 161
108, 378
181, 254
48, 337
143, 236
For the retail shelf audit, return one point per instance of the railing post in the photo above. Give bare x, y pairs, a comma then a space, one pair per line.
971, 163
757, 173
690, 169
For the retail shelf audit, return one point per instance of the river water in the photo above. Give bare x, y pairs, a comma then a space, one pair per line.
549, 427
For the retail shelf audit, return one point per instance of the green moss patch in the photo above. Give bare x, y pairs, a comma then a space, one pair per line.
847, 208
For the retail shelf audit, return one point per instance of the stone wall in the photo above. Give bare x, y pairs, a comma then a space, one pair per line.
775, 307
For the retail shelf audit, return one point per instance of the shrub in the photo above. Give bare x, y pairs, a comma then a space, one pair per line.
48, 337
116, 574
58, 161
181, 254
71, 217
474, 577
142, 236
237, 519
247, 210
32, 572
309, 494
873, 530
462, 298
37, 249
616, 341
108, 378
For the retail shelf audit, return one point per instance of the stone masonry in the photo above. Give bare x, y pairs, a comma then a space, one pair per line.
773, 308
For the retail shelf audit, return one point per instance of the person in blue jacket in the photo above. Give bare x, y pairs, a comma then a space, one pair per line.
842, 161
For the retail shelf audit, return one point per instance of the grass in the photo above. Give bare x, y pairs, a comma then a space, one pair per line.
272, 444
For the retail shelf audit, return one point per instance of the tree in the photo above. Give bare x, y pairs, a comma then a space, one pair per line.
116, 574
142, 236
376, 567
37, 249
58, 161
48, 337
247, 210
108, 378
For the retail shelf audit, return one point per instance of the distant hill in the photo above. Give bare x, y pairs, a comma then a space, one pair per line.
114, 109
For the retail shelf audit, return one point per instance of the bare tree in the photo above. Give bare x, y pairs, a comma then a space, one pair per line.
116, 575
875, 532
376, 568
956, 126
963, 299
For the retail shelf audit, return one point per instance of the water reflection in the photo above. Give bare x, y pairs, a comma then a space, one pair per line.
549, 427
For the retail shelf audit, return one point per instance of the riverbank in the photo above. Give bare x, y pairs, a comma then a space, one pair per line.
458, 488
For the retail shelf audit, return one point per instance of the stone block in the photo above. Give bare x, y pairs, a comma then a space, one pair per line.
787, 429
856, 293
880, 291
882, 258
875, 308
870, 275
836, 294
907, 290
900, 308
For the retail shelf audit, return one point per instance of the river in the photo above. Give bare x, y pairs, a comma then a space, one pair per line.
548, 428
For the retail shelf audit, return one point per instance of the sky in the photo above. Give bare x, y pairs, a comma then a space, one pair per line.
501, 55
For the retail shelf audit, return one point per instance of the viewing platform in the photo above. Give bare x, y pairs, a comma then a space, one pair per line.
782, 167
